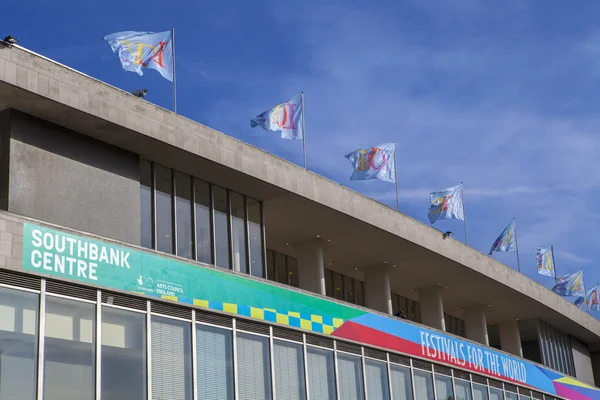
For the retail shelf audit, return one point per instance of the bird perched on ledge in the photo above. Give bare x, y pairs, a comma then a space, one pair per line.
447, 234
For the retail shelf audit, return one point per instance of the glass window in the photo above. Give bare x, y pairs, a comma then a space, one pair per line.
338, 286
423, 385
348, 289
359, 293
395, 308
377, 380
221, 227
271, 275
321, 376
443, 387
511, 396
292, 266
463, 389
281, 269
203, 222
164, 209
254, 373
480, 392
69, 349
289, 370
496, 394
146, 204
18, 344
401, 383
123, 354
214, 351
402, 305
183, 206
238, 232
171, 359
256, 235
350, 377
328, 283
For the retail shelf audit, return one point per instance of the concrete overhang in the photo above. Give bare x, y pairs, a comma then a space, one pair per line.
358, 232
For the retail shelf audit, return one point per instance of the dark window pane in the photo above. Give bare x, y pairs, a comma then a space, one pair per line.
292, 266
221, 227
328, 283
69, 349
183, 192
348, 289
123, 354
359, 293
146, 204
203, 229
238, 232
395, 308
164, 209
280, 268
338, 286
256, 246
271, 266
18, 344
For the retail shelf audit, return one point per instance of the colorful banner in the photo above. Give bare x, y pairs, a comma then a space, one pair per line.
62, 255
545, 261
287, 118
374, 163
446, 204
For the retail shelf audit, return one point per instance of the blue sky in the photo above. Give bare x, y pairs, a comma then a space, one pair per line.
504, 98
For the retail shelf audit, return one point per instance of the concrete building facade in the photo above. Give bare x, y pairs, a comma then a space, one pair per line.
149, 256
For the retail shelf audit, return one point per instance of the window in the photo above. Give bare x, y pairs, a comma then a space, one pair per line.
292, 267
338, 286
350, 377
281, 268
359, 296
254, 374
377, 380
256, 238
401, 383
271, 275
480, 392
203, 222
321, 375
171, 359
511, 396
164, 209
221, 227
238, 232
123, 354
146, 213
18, 344
183, 206
423, 385
69, 349
443, 387
348, 289
214, 351
463, 389
289, 370
328, 283
496, 394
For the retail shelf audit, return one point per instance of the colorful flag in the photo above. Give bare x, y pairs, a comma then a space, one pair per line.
139, 50
507, 241
580, 302
447, 204
286, 118
374, 163
545, 264
570, 285
592, 299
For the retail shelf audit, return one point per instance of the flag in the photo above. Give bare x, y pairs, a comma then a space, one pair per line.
545, 264
374, 163
580, 302
507, 239
139, 50
286, 118
592, 299
570, 285
446, 204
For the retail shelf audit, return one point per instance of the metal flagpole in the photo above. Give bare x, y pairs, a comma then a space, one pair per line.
553, 262
517, 244
462, 199
174, 73
396, 179
303, 131
584, 293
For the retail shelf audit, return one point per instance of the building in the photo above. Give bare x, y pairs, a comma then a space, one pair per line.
143, 255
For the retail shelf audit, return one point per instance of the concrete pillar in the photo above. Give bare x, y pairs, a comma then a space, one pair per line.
432, 307
476, 325
377, 289
311, 268
510, 338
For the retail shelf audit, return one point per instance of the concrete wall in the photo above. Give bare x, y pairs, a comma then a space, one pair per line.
72, 180
582, 360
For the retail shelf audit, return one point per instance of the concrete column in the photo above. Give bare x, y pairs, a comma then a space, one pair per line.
510, 338
476, 325
311, 268
432, 307
377, 289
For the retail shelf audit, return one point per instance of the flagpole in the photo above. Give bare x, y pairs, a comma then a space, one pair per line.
174, 73
303, 130
396, 179
517, 244
584, 292
462, 200
553, 262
